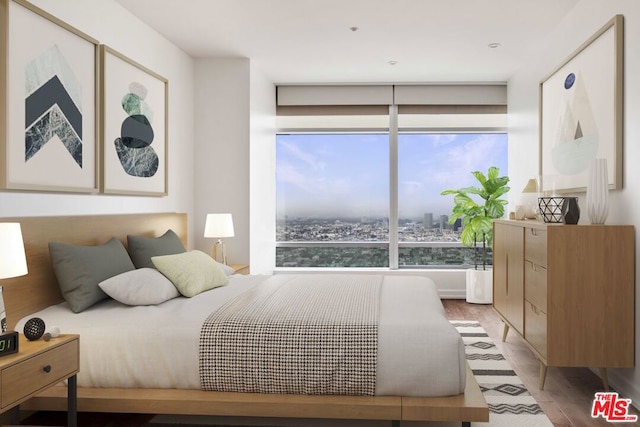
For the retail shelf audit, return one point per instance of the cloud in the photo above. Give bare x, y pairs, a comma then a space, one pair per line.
410, 188
317, 185
312, 161
286, 173
442, 139
475, 154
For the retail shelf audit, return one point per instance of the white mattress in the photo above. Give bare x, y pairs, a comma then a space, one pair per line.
419, 352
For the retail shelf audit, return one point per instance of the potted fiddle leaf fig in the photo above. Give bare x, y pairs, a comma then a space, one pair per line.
477, 207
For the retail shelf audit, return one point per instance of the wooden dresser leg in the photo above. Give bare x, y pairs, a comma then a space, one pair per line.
505, 331
543, 374
604, 378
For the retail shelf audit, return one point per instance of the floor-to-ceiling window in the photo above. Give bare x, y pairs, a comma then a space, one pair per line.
332, 194
428, 164
363, 189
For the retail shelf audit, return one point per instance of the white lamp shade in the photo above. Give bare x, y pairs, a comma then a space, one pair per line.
13, 262
218, 225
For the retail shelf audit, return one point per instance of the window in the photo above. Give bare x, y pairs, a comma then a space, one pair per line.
427, 165
332, 192
357, 187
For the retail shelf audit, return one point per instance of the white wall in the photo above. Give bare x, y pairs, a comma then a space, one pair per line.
221, 185
263, 173
586, 18
111, 24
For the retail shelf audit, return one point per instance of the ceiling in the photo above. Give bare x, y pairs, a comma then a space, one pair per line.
313, 41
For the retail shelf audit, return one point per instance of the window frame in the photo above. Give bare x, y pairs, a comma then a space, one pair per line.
394, 131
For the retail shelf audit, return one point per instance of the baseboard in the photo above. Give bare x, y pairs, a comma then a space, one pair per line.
625, 385
452, 293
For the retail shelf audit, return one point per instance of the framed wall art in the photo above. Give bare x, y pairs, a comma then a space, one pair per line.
581, 112
134, 129
48, 112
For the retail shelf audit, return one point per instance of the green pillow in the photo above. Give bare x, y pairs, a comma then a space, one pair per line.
141, 248
79, 270
191, 272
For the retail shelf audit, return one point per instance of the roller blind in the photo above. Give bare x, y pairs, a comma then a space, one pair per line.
420, 107
450, 95
335, 95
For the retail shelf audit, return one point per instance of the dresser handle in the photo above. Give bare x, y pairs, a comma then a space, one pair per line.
534, 232
47, 369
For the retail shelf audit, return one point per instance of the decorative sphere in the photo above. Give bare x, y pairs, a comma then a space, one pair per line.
34, 328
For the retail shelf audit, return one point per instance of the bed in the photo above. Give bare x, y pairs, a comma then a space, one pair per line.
179, 395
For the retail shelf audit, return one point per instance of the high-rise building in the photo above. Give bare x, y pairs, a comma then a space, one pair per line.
444, 219
428, 221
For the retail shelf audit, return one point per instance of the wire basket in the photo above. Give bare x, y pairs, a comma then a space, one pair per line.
551, 208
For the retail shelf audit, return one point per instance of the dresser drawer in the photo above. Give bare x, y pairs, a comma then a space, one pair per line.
535, 246
535, 327
535, 284
22, 379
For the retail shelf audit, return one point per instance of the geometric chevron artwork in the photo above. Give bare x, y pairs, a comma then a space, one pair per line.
51, 103
53, 123
46, 92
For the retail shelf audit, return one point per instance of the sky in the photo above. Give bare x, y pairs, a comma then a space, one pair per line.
347, 175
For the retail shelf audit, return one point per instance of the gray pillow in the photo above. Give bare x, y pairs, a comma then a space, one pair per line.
79, 270
141, 248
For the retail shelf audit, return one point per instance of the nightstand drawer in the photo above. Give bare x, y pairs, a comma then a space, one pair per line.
24, 378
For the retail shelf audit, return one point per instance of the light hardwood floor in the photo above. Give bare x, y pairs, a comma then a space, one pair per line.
568, 393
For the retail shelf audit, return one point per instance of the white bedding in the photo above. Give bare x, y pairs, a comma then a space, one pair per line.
419, 352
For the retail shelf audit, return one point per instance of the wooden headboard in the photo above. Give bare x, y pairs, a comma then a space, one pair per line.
39, 289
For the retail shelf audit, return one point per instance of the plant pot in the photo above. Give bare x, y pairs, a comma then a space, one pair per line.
479, 286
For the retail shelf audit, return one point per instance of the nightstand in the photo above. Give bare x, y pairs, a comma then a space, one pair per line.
37, 366
240, 268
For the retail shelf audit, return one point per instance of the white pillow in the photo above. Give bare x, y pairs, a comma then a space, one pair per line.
144, 286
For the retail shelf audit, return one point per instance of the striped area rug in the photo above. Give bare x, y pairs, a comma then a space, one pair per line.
510, 403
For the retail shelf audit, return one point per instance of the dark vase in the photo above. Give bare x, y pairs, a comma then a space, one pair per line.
570, 210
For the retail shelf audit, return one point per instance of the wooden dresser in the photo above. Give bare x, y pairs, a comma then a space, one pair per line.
568, 290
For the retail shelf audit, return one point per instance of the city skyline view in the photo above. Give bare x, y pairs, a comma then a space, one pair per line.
347, 175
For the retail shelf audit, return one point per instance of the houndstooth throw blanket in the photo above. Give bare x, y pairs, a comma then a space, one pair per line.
315, 335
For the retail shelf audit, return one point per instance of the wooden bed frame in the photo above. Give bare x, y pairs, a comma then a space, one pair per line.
39, 289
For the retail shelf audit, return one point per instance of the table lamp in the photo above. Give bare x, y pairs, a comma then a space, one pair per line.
217, 226
13, 262
530, 198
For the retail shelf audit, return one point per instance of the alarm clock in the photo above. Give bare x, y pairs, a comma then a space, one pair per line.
8, 343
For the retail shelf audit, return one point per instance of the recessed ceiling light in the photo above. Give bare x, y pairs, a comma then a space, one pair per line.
494, 45
354, 29
392, 62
